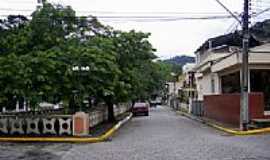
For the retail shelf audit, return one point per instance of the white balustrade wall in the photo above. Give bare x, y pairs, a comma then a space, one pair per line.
101, 115
36, 125
51, 123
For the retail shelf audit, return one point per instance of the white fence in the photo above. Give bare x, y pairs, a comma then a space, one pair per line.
36, 125
52, 124
101, 115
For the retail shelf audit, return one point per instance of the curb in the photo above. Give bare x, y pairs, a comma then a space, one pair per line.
227, 130
101, 138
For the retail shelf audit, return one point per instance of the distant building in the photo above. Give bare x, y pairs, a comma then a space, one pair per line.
173, 88
188, 67
188, 89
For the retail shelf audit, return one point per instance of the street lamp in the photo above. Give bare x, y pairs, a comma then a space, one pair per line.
79, 69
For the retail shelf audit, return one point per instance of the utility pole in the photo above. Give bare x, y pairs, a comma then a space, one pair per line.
244, 109
244, 116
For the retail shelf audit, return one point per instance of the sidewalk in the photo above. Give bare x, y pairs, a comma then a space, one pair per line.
105, 126
224, 127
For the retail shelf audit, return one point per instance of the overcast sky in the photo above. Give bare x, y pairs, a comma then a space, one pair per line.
170, 38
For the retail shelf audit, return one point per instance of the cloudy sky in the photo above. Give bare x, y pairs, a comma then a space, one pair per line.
170, 38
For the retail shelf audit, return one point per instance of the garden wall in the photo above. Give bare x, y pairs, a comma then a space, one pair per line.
52, 124
225, 108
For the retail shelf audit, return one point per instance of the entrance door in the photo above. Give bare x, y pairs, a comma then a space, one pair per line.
260, 82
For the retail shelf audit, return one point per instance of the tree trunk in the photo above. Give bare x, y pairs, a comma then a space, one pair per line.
111, 117
133, 102
11, 103
21, 102
71, 105
89, 102
26, 105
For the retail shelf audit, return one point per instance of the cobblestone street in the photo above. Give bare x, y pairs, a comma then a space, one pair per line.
163, 135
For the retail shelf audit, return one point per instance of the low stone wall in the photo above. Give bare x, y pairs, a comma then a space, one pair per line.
183, 107
36, 125
52, 124
58, 111
197, 108
101, 115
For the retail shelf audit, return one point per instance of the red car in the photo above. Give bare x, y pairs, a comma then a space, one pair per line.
141, 108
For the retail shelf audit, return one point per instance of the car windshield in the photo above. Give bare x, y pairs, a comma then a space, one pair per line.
140, 105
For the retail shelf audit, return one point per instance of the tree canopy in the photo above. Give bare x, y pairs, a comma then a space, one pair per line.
56, 54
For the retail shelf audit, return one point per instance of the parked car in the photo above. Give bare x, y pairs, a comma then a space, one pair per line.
155, 102
159, 100
141, 108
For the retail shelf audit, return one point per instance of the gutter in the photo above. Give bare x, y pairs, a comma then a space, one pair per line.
227, 130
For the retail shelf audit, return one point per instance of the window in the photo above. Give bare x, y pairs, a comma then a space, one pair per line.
231, 83
213, 85
259, 82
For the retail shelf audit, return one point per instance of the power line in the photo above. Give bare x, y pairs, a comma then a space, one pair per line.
163, 12
115, 12
145, 18
232, 27
18, 10
149, 13
230, 12
262, 12
260, 7
163, 17
21, 1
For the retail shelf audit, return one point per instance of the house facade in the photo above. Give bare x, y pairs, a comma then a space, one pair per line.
188, 89
173, 88
218, 77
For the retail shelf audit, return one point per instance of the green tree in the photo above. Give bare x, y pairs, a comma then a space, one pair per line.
135, 60
38, 57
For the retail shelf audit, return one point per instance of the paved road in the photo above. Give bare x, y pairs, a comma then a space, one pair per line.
161, 136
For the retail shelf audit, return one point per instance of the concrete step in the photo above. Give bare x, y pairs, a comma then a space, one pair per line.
253, 126
260, 123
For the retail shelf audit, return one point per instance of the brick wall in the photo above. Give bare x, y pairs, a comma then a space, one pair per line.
225, 108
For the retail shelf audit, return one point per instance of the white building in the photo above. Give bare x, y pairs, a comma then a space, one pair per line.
219, 69
188, 67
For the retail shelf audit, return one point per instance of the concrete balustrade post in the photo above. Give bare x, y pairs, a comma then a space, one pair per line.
32, 126
81, 124
17, 106
16, 126
4, 125
91, 120
64, 126
49, 126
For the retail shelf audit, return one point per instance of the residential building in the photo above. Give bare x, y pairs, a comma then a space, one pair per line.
173, 88
218, 75
188, 89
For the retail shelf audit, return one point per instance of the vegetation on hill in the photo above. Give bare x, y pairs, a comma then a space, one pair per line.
176, 63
